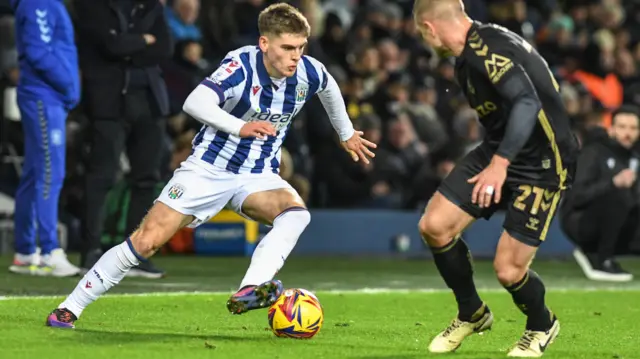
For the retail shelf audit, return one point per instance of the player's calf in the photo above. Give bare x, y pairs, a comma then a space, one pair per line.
511, 265
439, 226
285, 210
156, 229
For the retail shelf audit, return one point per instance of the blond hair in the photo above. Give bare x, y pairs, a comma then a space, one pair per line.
282, 18
437, 8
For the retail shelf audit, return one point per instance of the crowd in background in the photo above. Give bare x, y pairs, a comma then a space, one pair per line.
396, 89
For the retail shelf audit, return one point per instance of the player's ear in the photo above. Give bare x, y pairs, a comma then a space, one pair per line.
263, 42
431, 30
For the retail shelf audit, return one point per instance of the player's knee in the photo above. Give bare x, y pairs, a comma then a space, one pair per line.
434, 230
149, 237
509, 273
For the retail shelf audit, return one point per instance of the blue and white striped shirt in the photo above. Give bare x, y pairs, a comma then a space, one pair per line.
246, 91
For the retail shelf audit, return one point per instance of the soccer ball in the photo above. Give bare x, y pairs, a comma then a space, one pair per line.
296, 314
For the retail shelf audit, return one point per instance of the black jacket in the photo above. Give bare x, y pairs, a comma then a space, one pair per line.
111, 44
599, 161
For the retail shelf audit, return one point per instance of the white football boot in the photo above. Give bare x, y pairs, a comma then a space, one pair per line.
451, 338
532, 344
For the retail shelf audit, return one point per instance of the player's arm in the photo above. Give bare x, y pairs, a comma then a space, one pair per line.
514, 85
526, 106
204, 102
333, 103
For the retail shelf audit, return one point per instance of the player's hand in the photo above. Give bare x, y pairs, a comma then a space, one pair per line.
489, 182
149, 39
259, 129
359, 147
625, 178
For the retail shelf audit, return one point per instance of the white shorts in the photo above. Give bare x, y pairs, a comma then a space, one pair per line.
203, 192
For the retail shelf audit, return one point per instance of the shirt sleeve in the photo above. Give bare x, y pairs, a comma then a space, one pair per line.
333, 103
494, 57
38, 23
203, 105
226, 78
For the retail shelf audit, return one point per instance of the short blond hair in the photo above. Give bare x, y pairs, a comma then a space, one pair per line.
437, 8
282, 18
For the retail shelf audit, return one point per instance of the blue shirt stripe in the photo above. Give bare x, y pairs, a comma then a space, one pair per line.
218, 142
244, 104
312, 78
325, 79
266, 97
214, 148
288, 106
198, 139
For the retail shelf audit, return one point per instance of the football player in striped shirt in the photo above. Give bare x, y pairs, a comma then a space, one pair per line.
246, 106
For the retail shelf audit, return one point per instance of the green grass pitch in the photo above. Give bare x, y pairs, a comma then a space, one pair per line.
148, 319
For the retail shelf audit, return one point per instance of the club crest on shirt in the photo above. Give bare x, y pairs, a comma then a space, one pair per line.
301, 93
175, 191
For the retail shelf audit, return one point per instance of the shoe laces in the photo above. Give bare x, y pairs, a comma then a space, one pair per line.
64, 316
455, 324
525, 341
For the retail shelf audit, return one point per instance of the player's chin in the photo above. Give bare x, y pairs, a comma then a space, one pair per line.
289, 71
443, 53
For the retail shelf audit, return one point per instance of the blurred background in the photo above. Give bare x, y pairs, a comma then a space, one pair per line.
397, 91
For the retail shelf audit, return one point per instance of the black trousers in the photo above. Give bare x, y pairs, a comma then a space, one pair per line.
141, 133
607, 226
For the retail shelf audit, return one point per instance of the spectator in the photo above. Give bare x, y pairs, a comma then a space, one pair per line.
357, 184
125, 99
602, 211
184, 72
181, 19
48, 88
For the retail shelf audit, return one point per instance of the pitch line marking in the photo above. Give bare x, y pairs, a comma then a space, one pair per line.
367, 291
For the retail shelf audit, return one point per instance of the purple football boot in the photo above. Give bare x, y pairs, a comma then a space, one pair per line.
61, 318
255, 297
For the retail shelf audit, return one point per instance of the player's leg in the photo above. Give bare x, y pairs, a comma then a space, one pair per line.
160, 224
145, 148
448, 213
191, 197
526, 225
440, 227
268, 199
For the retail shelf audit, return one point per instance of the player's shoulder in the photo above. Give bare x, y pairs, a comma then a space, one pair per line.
491, 36
310, 61
241, 55
491, 31
233, 69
